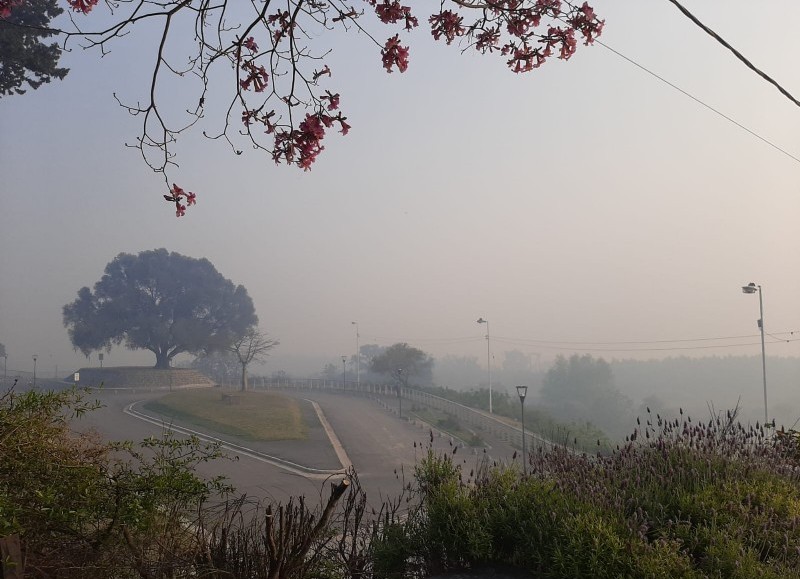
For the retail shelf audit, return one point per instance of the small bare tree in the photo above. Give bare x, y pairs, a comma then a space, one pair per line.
252, 345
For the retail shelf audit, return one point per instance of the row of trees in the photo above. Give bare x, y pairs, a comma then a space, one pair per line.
580, 389
169, 304
399, 362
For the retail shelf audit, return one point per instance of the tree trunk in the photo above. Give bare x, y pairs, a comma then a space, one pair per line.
244, 377
162, 360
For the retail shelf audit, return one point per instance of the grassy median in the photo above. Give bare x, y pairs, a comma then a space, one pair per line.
248, 415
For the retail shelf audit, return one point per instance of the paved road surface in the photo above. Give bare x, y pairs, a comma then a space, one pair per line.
378, 443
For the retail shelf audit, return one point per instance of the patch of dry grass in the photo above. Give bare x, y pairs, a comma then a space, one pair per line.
248, 415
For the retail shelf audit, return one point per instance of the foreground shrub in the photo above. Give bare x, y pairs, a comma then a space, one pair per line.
680, 499
81, 507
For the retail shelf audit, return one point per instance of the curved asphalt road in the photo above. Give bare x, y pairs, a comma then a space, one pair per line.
380, 446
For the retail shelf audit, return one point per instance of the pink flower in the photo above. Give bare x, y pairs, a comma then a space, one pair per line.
487, 40
257, 76
333, 100
307, 141
319, 73
394, 53
177, 194
84, 6
391, 12
251, 45
448, 24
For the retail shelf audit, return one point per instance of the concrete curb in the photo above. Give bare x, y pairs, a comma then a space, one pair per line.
299, 469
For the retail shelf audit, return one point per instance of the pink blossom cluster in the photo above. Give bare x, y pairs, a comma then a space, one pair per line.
587, 22
302, 145
395, 54
177, 196
392, 12
519, 21
526, 33
285, 24
84, 6
448, 24
257, 75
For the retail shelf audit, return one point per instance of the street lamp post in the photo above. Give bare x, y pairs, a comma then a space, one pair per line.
522, 391
344, 372
752, 288
358, 359
5, 365
400, 373
35, 357
488, 359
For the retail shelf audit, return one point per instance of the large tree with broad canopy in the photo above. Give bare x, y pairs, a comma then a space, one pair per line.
403, 363
163, 302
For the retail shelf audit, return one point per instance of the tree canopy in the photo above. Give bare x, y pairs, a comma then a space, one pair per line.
24, 58
251, 346
582, 388
405, 364
159, 301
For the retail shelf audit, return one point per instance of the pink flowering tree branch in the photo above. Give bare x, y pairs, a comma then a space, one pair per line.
282, 96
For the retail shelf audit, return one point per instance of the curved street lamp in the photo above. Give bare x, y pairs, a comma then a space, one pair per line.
358, 358
488, 359
752, 288
522, 391
403, 379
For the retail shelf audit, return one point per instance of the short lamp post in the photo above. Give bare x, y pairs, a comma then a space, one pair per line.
344, 372
522, 391
35, 357
752, 288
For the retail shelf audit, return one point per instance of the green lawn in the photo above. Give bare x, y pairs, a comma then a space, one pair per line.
248, 415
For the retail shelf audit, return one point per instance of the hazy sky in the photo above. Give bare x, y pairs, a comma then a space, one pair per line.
584, 202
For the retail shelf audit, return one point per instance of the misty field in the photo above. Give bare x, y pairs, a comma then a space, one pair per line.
256, 416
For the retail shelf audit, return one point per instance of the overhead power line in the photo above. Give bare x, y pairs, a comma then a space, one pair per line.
601, 346
697, 100
645, 349
735, 52
629, 342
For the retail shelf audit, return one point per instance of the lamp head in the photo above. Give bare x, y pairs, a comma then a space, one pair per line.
344, 359
481, 321
522, 391
749, 288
